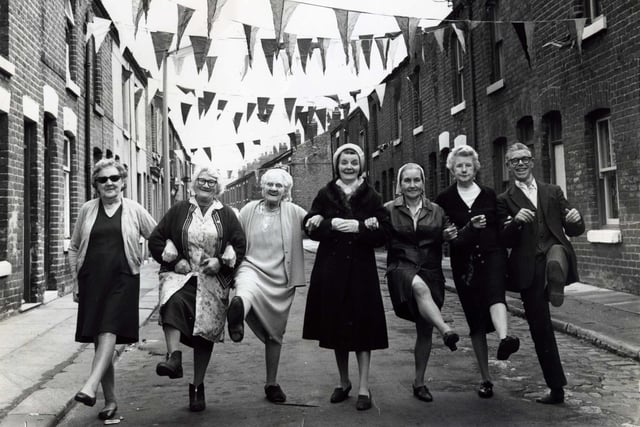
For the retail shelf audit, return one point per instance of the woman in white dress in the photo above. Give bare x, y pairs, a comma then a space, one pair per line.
271, 270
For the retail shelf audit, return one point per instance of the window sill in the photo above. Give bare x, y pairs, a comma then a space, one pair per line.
65, 245
126, 134
418, 130
494, 87
375, 154
97, 108
5, 269
458, 108
610, 237
7, 67
73, 88
396, 142
598, 24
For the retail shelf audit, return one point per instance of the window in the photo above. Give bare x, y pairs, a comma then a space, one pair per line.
373, 111
553, 150
392, 184
397, 115
97, 76
592, 9
66, 183
70, 41
524, 132
500, 171
415, 94
458, 71
125, 100
607, 171
496, 40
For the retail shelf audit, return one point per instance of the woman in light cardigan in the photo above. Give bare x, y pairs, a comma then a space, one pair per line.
105, 254
273, 267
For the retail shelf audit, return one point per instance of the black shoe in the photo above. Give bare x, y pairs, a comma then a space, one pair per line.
364, 402
507, 347
107, 414
422, 393
196, 398
554, 397
85, 398
555, 283
340, 394
275, 394
172, 367
235, 319
450, 339
486, 389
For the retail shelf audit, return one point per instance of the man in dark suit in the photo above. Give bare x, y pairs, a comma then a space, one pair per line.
542, 262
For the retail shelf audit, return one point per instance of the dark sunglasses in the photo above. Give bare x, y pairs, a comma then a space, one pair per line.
112, 178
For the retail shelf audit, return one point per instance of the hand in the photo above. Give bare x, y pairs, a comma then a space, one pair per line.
313, 222
170, 252
479, 221
525, 216
572, 216
450, 233
210, 266
371, 223
76, 291
345, 225
229, 257
182, 267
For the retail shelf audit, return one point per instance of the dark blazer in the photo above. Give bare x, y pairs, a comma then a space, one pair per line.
523, 238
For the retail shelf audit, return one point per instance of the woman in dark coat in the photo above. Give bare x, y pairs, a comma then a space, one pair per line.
477, 259
414, 267
344, 309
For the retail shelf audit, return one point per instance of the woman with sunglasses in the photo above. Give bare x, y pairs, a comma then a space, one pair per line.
198, 243
105, 254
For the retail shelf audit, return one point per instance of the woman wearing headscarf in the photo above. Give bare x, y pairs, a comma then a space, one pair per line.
344, 310
198, 244
105, 254
414, 267
272, 268
478, 261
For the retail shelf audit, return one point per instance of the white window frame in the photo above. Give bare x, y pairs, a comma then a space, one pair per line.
607, 170
66, 178
596, 21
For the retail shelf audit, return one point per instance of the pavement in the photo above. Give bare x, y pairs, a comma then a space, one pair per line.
41, 367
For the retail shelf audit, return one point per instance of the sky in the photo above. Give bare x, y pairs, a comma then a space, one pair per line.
230, 82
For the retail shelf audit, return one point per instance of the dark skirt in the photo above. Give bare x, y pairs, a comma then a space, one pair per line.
486, 287
399, 281
180, 313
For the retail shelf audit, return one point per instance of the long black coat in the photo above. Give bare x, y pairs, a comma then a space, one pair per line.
344, 306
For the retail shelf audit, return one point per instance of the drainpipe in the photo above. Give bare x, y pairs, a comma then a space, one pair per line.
472, 70
87, 121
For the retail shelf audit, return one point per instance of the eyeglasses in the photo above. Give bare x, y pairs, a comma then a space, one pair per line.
112, 178
525, 161
209, 182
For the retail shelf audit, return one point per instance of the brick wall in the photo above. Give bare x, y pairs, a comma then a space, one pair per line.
310, 168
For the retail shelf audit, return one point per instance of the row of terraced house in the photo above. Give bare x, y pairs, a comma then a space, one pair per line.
575, 103
63, 106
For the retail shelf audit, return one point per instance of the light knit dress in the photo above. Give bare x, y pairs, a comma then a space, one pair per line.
261, 279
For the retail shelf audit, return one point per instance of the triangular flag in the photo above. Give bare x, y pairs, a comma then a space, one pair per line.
355, 51
391, 51
137, 95
303, 46
439, 36
334, 98
365, 45
298, 112
380, 89
207, 151
250, 34
208, 98
353, 94
290, 48
221, 104
213, 10
324, 47
200, 50
282, 12
408, 27
460, 35
262, 105
321, 114
383, 48
202, 109
126, 74
267, 114
245, 66
346, 21
304, 118
184, 16
186, 90
289, 103
143, 6
185, 111
98, 29
256, 142
579, 28
523, 35
161, 42
269, 47
474, 24
211, 63
241, 148
250, 107
363, 104
237, 118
